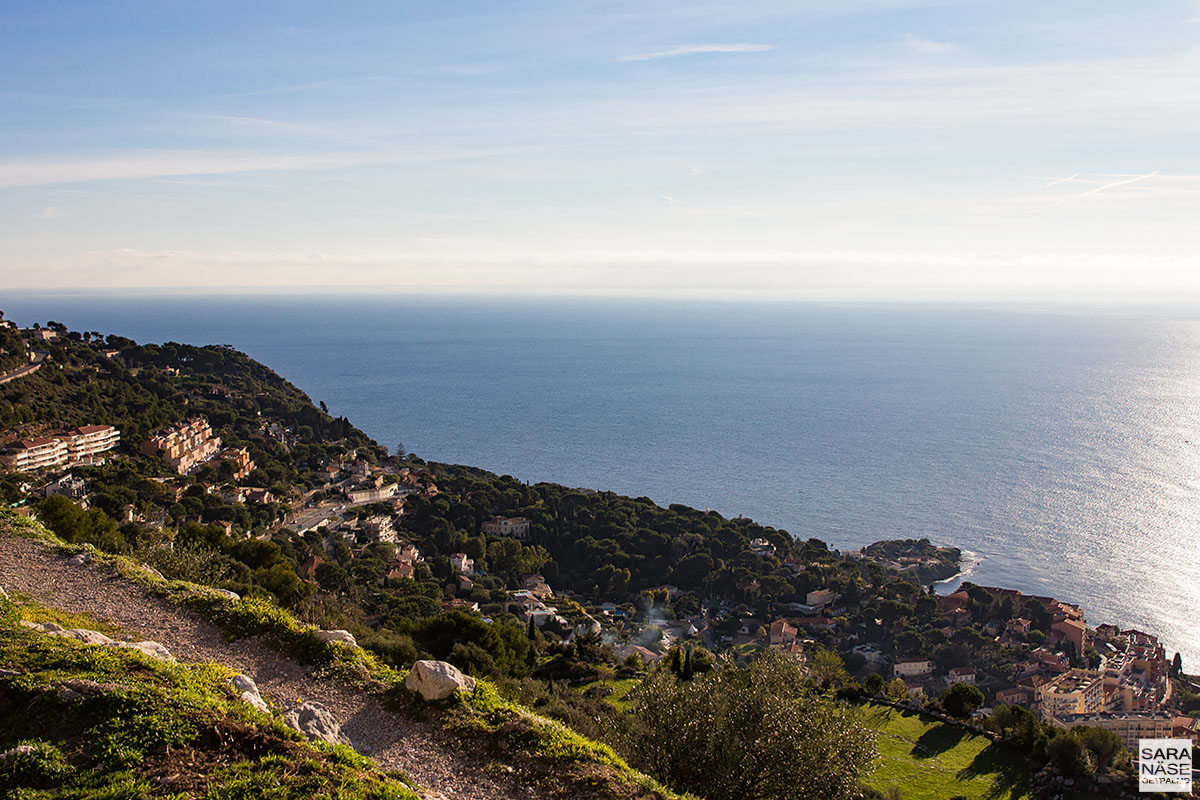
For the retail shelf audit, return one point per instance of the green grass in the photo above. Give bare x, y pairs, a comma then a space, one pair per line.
566, 756
112, 722
618, 697
930, 760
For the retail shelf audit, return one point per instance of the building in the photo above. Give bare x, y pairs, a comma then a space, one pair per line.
912, 667
256, 494
961, 675
762, 547
87, 442
240, 456
820, 597
516, 527
537, 585
1073, 631
379, 528
372, 494
1014, 695
184, 444
1076, 691
30, 455
69, 486
781, 633
462, 563
1129, 725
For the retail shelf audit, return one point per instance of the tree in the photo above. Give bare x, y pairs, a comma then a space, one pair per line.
827, 669
1067, 754
753, 733
1177, 666
961, 700
1101, 743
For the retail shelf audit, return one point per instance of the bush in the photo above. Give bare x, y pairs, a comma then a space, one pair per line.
751, 733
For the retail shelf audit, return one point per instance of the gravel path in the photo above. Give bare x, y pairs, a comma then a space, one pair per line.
422, 751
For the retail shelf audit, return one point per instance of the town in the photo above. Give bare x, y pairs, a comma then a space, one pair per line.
536, 580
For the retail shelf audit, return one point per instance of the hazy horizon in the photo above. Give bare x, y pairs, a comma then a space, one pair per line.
879, 150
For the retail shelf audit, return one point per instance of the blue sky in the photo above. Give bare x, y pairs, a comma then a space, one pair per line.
860, 150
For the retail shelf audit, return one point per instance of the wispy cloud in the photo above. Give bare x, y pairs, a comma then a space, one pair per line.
675, 201
694, 49
49, 212
163, 164
920, 44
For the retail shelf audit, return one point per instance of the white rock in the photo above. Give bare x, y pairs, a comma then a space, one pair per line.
248, 691
152, 649
345, 637
153, 572
314, 721
3, 593
79, 560
227, 593
37, 626
437, 680
19, 750
81, 635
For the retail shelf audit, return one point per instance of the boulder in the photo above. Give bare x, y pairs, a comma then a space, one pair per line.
247, 689
81, 635
37, 626
345, 637
14, 753
3, 593
229, 594
152, 649
314, 721
79, 560
153, 572
437, 680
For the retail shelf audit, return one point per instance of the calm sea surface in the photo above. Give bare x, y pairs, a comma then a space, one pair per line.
1061, 447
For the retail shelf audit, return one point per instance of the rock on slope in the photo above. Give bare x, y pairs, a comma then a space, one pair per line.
423, 751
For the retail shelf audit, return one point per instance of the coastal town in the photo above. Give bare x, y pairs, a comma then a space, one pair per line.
398, 545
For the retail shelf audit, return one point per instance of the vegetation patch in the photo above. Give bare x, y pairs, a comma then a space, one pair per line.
927, 759
112, 722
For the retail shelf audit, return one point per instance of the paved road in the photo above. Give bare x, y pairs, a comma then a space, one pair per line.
28, 369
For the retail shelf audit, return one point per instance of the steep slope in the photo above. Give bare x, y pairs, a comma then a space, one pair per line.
452, 765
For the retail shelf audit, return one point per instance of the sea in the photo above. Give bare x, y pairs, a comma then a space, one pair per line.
1058, 446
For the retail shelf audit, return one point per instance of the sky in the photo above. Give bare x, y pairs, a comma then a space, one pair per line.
863, 149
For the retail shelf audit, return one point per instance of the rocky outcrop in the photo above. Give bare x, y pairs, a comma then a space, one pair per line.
314, 721
437, 680
345, 637
229, 594
247, 689
152, 649
80, 635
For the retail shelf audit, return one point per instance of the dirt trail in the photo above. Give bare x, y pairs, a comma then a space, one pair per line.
422, 751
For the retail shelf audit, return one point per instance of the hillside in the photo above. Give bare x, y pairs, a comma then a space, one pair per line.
558, 599
158, 713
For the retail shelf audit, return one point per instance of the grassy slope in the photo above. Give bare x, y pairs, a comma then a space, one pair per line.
137, 727
930, 760
566, 757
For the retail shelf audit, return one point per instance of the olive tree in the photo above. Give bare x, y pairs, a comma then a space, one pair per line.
754, 733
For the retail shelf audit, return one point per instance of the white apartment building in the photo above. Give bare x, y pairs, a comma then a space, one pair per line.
86, 442
29, 455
